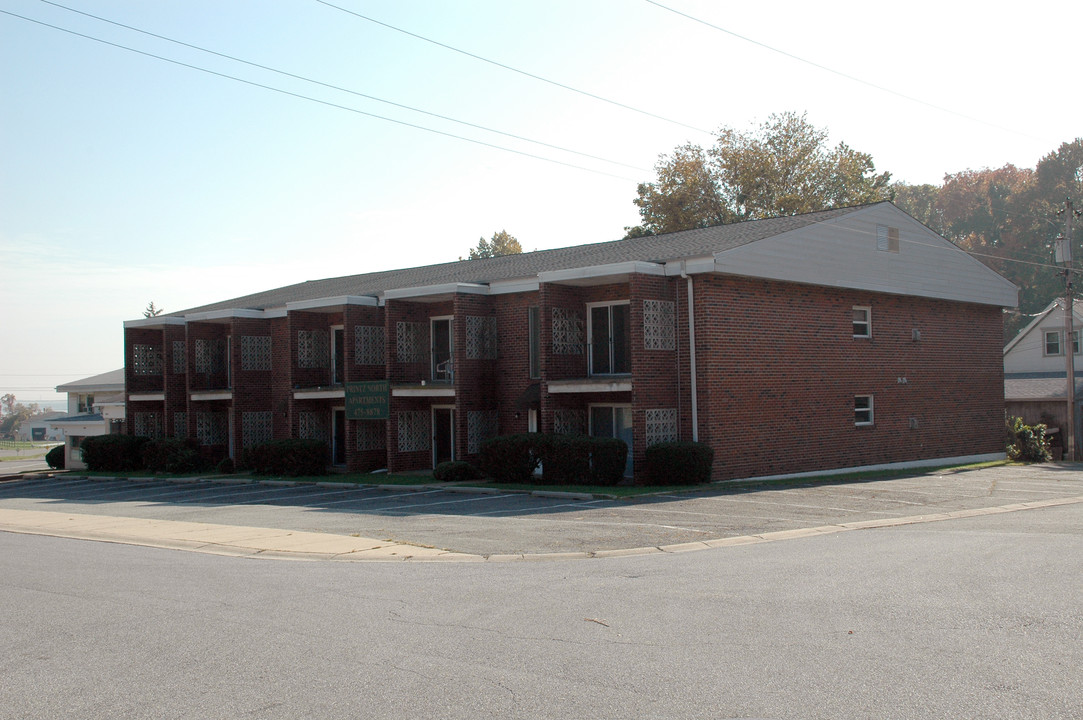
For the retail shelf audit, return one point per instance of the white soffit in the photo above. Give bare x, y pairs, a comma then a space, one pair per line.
843, 253
615, 272
147, 397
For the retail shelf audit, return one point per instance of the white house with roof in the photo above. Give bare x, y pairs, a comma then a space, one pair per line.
95, 407
1035, 369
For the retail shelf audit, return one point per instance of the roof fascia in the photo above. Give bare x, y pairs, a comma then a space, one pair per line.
430, 290
154, 322
517, 285
596, 272
227, 314
690, 266
331, 303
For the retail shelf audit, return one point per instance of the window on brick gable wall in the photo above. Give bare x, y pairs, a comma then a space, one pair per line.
863, 410
862, 322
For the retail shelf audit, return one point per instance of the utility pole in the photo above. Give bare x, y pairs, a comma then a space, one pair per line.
1064, 254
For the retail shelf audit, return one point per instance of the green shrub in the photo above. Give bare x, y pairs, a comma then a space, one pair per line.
1027, 443
565, 459
455, 471
679, 463
225, 467
287, 457
173, 456
113, 453
608, 457
510, 458
55, 458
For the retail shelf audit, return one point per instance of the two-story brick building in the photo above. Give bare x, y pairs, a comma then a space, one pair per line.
846, 338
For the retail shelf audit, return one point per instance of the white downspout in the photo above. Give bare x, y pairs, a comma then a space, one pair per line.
692, 352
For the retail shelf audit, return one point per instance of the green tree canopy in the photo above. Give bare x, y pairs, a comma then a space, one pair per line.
783, 167
15, 414
1006, 217
501, 244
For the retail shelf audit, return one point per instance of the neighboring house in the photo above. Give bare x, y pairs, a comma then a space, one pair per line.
39, 428
808, 343
95, 407
1035, 371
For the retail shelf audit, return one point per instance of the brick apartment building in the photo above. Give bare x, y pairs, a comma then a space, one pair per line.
845, 338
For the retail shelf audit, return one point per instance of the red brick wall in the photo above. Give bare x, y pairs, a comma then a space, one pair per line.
779, 368
141, 383
513, 368
176, 384
209, 331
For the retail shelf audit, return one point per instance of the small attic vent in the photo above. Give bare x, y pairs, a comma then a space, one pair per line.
887, 239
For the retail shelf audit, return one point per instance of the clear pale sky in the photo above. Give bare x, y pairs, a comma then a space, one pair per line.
126, 179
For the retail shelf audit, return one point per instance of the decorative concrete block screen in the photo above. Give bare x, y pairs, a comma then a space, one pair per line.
480, 338
368, 345
180, 425
313, 349
371, 435
480, 426
180, 357
661, 426
146, 360
567, 332
212, 428
256, 352
570, 422
659, 325
312, 426
210, 355
410, 342
256, 427
148, 424
413, 431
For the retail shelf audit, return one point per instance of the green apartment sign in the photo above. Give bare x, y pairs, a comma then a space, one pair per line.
368, 400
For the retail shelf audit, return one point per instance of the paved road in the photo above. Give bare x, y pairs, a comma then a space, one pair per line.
974, 618
509, 524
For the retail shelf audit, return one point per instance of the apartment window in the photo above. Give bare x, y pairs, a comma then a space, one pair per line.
533, 323
863, 410
86, 403
862, 322
338, 354
609, 338
1052, 343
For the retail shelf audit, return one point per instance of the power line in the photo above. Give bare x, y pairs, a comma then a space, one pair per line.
317, 100
841, 74
514, 69
342, 89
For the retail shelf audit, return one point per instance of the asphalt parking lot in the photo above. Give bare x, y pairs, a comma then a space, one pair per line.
510, 523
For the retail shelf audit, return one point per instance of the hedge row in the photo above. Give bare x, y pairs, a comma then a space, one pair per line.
286, 457
577, 460
564, 459
120, 453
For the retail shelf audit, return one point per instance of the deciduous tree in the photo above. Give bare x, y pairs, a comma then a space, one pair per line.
501, 244
783, 167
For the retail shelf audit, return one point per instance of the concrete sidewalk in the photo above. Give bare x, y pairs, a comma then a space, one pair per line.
242, 541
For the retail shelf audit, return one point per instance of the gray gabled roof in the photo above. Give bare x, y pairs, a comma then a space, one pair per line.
112, 380
655, 248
